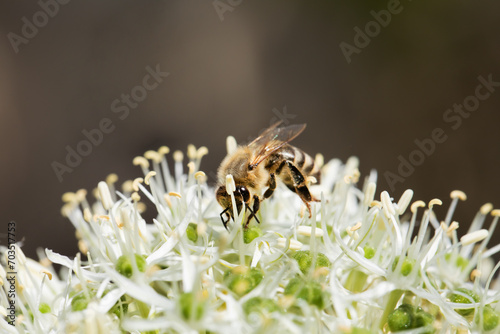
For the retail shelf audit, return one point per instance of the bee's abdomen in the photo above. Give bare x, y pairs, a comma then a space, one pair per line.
303, 161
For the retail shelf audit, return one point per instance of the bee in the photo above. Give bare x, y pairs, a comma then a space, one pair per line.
258, 165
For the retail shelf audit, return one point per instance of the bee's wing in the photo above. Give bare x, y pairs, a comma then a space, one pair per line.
272, 139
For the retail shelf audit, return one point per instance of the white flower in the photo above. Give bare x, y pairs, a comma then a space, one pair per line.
351, 265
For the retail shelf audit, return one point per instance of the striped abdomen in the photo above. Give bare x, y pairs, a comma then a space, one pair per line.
303, 161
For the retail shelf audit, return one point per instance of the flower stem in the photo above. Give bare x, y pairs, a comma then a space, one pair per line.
392, 301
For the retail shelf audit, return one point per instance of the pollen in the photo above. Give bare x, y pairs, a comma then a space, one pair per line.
458, 194
200, 176
127, 186
111, 178
68, 197
495, 213
174, 194
140, 161
148, 176
48, 273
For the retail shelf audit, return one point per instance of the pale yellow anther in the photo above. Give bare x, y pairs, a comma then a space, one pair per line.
231, 145
104, 217
200, 176
443, 226
135, 184
68, 197
141, 161
66, 209
355, 175
48, 273
149, 176
153, 155
376, 203
87, 215
105, 195
495, 213
319, 160
311, 180
369, 193
356, 227
95, 193
416, 205
474, 274
230, 186
174, 194
435, 201
191, 152
201, 228
178, 156
202, 151
163, 150
307, 231
458, 194
128, 186
387, 204
453, 226
294, 244
135, 196
141, 207
349, 231
191, 167
111, 178
80, 195
45, 262
82, 246
404, 201
486, 208
474, 237
166, 197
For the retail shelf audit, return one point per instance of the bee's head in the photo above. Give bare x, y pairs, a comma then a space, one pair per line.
241, 194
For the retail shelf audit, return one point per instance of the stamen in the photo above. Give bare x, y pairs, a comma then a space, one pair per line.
48, 273
486, 208
200, 176
135, 196
319, 160
148, 176
475, 273
416, 205
111, 178
387, 204
230, 186
435, 201
106, 200
453, 226
311, 180
191, 152
140, 161
458, 194
191, 168
370, 193
356, 227
474, 237
154, 156
68, 197
231, 145
294, 244
495, 213
87, 215
404, 201
178, 156
135, 184
376, 203
307, 231
163, 151
174, 194
202, 151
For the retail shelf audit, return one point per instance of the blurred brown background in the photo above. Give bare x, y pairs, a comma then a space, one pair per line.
234, 67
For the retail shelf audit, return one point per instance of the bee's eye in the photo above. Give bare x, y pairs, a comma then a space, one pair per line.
244, 193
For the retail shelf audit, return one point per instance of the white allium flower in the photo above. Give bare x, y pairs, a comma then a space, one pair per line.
358, 265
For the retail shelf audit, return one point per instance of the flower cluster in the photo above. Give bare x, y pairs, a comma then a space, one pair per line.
357, 265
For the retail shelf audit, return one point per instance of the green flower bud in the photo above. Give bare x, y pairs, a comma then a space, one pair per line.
191, 232
242, 280
44, 308
191, 308
401, 318
490, 318
251, 233
460, 261
79, 302
124, 266
304, 259
369, 252
406, 267
456, 298
310, 291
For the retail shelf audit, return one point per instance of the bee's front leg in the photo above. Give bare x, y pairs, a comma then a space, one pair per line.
253, 212
272, 186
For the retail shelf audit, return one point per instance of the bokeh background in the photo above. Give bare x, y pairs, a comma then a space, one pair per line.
235, 67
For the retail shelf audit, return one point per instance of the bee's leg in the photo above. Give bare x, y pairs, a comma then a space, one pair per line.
224, 222
272, 186
299, 182
256, 206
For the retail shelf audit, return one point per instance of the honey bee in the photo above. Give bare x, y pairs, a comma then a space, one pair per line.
257, 165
